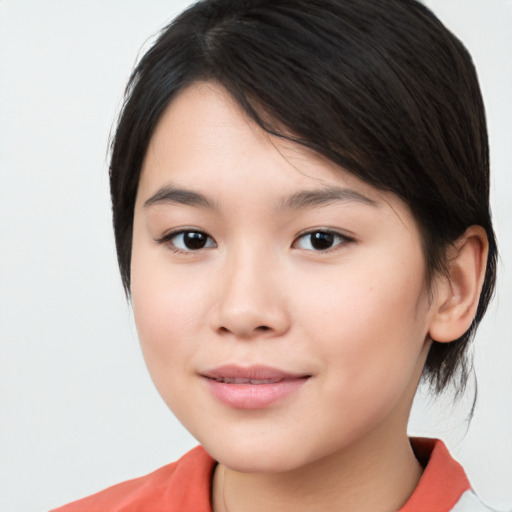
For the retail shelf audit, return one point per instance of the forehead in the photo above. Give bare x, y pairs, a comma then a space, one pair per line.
207, 144
204, 132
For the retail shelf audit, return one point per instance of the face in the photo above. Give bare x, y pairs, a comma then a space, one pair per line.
281, 303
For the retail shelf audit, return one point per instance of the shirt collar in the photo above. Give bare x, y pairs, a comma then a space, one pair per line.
443, 481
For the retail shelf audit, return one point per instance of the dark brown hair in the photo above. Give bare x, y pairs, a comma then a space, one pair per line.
381, 88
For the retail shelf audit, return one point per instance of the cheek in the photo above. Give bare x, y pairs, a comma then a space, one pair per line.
363, 299
166, 323
370, 324
167, 307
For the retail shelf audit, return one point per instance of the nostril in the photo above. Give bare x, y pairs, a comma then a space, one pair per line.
245, 333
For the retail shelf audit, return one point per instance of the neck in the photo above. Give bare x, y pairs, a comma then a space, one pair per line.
368, 476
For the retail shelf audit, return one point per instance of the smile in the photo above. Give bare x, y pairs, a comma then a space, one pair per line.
229, 380
254, 387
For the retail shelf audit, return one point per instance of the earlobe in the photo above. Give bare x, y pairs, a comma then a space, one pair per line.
458, 292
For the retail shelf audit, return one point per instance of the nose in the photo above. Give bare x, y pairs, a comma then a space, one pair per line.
251, 301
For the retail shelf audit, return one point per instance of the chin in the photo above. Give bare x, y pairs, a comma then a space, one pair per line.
256, 461
260, 454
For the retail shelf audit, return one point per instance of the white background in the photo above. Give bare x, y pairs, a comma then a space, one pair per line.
78, 409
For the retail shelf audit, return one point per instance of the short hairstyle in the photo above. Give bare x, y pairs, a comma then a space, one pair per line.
382, 89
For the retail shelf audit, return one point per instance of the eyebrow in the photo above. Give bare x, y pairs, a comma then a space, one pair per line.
170, 194
323, 197
300, 200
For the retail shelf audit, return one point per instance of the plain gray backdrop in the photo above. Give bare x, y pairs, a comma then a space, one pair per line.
78, 409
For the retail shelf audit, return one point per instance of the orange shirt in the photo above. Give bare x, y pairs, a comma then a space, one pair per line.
184, 486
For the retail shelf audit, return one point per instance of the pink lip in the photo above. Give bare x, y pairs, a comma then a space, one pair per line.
252, 387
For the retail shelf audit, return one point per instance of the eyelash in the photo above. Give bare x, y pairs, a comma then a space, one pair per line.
167, 240
341, 240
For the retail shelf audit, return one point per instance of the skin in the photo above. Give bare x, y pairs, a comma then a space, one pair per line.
355, 318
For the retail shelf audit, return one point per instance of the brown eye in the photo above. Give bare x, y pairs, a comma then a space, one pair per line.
320, 240
188, 241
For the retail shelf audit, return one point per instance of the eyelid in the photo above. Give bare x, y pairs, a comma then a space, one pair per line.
166, 239
344, 239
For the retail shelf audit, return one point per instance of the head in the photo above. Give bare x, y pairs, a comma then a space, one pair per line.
381, 90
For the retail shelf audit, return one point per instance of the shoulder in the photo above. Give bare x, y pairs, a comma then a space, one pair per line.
444, 486
181, 486
470, 502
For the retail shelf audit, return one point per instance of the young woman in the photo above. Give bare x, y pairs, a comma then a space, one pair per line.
300, 197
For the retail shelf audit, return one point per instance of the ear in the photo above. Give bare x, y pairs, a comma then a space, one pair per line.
457, 293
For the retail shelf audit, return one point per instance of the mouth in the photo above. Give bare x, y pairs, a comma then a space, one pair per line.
253, 387
234, 380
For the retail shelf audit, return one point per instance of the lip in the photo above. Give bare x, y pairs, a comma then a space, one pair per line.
252, 387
